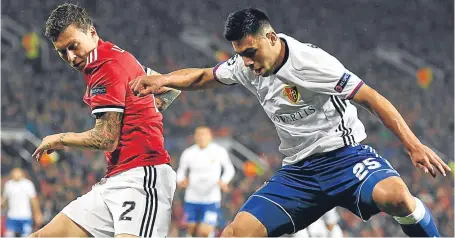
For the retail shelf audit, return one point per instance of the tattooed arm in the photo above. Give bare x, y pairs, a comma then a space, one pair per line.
104, 136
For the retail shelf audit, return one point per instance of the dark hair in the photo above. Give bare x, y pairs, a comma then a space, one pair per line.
63, 16
249, 21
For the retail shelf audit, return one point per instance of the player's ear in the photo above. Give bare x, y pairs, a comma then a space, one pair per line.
272, 37
92, 31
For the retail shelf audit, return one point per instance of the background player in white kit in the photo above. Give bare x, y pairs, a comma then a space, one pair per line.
306, 93
326, 226
19, 196
204, 161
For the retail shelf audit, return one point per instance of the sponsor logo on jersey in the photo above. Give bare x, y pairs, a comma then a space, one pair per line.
292, 117
291, 93
342, 82
98, 90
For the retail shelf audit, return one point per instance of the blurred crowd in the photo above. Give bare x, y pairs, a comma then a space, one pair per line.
46, 97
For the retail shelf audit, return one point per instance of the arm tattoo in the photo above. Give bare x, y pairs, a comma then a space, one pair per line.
164, 100
106, 132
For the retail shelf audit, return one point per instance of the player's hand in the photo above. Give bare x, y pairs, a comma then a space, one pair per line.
426, 159
48, 145
184, 183
224, 186
145, 85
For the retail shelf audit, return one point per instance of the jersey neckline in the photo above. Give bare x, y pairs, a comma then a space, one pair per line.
286, 56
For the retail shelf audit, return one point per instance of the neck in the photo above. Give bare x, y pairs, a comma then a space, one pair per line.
281, 54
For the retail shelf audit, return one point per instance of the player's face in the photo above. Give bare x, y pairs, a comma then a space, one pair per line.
203, 137
74, 45
258, 52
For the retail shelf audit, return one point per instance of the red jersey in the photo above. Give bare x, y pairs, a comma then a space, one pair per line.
107, 73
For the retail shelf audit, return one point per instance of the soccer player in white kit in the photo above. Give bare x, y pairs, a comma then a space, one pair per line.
19, 196
204, 161
306, 93
326, 226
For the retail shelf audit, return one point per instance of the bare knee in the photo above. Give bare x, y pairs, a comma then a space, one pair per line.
245, 224
392, 196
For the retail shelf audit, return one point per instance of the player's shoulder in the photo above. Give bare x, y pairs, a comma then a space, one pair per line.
191, 149
306, 55
233, 65
104, 53
217, 147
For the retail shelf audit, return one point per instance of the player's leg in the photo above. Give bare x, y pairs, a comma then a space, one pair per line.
289, 202
27, 227
61, 226
140, 200
392, 196
192, 218
210, 218
378, 187
12, 227
83, 217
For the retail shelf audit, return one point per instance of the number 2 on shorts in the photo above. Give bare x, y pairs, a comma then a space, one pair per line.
131, 205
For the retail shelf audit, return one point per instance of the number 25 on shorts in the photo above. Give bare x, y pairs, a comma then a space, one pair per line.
363, 168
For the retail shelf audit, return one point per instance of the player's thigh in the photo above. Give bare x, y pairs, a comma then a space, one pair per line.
61, 226
361, 173
282, 207
192, 213
210, 213
140, 200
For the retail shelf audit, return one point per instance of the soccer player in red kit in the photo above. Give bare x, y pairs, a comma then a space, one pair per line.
135, 197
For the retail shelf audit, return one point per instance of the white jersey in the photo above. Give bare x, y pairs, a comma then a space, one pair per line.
18, 195
307, 99
204, 167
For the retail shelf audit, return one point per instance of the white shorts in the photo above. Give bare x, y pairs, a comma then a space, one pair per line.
136, 202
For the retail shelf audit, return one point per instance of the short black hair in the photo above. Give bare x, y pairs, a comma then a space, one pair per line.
249, 21
65, 15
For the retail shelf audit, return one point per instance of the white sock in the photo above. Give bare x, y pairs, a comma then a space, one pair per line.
415, 216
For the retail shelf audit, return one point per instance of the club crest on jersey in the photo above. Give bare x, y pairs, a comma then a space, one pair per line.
342, 82
291, 93
98, 90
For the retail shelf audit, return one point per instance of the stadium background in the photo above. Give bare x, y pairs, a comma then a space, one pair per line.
404, 49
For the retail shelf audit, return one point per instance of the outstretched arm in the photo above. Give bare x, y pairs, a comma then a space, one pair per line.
104, 136
165, 96
422, 156
185, 79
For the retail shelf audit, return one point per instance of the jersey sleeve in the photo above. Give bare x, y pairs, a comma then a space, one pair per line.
323, 73
227, 72
108, 87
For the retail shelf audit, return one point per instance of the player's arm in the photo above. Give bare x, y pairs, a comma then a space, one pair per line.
104, 136
36, 211
228, 171
184, 79
228, 168
165, 96
182, 179
422, 156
